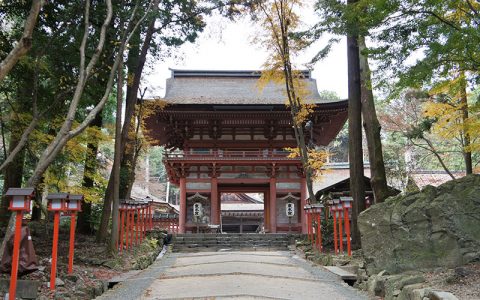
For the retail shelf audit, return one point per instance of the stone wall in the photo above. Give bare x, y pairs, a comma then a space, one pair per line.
437, 227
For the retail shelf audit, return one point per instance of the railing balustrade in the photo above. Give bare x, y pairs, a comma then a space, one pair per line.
227, 154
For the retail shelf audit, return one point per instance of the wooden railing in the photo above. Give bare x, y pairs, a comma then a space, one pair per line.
228, 154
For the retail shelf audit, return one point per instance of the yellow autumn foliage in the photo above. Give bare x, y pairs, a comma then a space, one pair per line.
449, 122
316, 160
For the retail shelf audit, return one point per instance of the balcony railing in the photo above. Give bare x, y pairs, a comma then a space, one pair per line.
228, 155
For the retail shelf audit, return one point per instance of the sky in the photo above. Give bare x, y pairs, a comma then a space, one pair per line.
226, 45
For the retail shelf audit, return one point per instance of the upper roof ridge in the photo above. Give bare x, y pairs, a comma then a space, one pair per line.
176, 73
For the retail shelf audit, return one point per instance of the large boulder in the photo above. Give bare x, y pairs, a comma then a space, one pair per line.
436, 227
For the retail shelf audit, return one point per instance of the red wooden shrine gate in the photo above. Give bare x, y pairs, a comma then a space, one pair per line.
222, 133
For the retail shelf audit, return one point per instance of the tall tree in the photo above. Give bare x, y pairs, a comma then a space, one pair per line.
405, 117
280, 21
337, 18
161, 29
85, 70
85, 224
420, 44
357, 186
372, 129
448, 108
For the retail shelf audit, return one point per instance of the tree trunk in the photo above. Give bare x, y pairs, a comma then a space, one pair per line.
37, 207
136, 62
116, 162
85, 224
355, 151
131, 99
372, 130
14, 162
132, 164
467, 152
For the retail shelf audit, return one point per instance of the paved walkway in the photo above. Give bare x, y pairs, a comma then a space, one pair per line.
233, 275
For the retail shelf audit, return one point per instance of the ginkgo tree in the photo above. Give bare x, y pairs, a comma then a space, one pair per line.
453, 117
279, 22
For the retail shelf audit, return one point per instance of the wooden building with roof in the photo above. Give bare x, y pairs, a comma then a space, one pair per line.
222, 134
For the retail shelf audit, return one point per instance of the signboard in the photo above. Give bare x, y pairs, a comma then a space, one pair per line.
197, 209
290, 209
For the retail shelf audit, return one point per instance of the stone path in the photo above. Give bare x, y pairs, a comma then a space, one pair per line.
233, 275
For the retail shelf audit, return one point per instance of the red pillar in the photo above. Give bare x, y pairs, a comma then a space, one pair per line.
309, 223
340, 231
273, 205
310, 226
72, 242
303, 202
16, 254
335, 230
127, 228
122, 222
142, 223
132, 224
53, 271
214, 211
183, 205
150, 217
136, 224
347, 230
319, 232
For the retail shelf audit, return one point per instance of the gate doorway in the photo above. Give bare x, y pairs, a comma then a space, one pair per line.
243, 210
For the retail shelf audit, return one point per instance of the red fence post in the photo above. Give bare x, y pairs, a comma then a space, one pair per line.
19, 203
347, 230
122, 222
72, 242
151, 215
131, 227
127, 227
142, 222
346, 204
16, 253
333, 208
340, 229
137, 219
53, 271
319, 232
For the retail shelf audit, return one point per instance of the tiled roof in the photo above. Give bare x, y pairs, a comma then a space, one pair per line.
424, 178
229, 87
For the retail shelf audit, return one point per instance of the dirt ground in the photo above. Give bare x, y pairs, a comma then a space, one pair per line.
463, 282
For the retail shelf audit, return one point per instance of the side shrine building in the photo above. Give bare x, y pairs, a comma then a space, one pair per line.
224, 135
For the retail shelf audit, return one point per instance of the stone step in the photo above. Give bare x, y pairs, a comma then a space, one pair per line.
210, 249
237, 241
229, 241
342, 273
233, 245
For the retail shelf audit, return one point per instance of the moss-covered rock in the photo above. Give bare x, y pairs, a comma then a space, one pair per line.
436, 227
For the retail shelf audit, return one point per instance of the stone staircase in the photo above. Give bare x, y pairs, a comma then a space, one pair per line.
232, 241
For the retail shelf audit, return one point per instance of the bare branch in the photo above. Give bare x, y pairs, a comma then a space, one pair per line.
89, 118
25, 42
